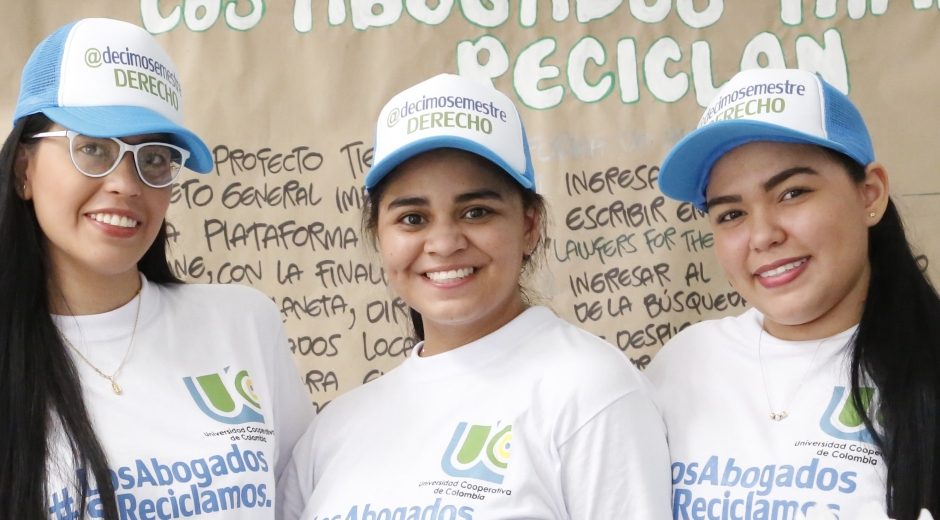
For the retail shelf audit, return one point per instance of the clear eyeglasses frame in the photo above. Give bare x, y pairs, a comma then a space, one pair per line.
158, 164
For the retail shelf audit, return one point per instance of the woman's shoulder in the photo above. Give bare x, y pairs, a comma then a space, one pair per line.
359, 406
581, 359
578, 375
232, 299
699, 342
561, 337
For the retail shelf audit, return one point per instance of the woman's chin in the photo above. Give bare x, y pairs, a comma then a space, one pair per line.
787, 312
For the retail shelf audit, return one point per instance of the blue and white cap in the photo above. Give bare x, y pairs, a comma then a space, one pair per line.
108, 78
783, 105
449, 111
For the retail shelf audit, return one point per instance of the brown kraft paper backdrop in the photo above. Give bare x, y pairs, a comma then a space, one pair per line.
285, 94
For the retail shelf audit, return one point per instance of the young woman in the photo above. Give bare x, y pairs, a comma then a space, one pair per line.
123, 393
826, 392
504, 410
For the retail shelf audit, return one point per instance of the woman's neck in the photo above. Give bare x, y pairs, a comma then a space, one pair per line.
444, 337
844, 315
77, 292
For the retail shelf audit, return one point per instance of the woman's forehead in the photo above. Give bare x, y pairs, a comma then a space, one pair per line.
130, 139
754, 163
446, 171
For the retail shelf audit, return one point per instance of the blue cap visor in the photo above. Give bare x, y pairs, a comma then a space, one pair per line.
686, 169
379, 171
123, 121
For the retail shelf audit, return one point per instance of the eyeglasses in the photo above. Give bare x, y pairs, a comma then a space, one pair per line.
158, 164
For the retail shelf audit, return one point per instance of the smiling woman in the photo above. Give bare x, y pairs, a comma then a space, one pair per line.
493, 211
95, 229
826, 393
815, 285
106, 358
503, 410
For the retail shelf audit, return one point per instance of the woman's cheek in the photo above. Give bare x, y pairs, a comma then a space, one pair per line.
727, 248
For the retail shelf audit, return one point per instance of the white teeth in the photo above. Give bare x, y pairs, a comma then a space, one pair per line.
454, 274
114, 220
783, 268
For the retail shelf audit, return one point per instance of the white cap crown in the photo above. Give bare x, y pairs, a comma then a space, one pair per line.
449, 111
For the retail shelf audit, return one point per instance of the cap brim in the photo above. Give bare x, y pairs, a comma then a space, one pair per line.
684, 173
122, 121
379, 171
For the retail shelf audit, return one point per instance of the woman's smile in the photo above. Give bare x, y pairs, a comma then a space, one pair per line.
781, 272
450, 276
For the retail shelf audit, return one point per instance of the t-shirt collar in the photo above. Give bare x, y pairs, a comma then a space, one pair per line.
476, 353
755, 320
114, 324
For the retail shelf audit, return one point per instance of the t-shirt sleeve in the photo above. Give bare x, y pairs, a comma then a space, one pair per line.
617, 465
295, 486
292, 408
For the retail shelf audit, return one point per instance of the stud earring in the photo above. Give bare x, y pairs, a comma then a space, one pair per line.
872, 214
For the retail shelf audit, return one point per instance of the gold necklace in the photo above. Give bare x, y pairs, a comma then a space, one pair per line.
114, 386
781, 415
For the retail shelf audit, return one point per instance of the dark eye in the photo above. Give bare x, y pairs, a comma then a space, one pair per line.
728, 216
156, 159
412, 219
93, 150
793, 193
475, 213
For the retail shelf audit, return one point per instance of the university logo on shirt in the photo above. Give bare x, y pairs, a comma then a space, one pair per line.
479, 452
227, 397
842, 420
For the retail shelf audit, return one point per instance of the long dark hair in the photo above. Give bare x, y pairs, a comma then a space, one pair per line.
40, 390
897, 348
530, 201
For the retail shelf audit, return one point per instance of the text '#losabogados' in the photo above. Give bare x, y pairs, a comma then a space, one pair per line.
187, 488
430, 512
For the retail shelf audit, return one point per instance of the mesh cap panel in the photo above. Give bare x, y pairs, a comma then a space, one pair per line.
844, 125
39, 86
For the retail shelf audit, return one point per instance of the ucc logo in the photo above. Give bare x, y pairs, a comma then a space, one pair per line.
213, 394
842, 420
478, 453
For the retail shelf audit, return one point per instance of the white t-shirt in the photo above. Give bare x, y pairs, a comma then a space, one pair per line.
729, 459
211, 405
538, 420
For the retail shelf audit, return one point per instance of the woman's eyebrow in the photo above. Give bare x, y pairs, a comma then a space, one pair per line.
479, 194
148, 138
408, 201
463, 197
770, 184
775, 181
724, 199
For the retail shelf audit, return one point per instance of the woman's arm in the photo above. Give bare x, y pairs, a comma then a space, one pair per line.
292, 408
295, 485
617, 465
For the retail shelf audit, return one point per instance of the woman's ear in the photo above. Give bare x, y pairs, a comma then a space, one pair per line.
874, 192
532, 221
21, 173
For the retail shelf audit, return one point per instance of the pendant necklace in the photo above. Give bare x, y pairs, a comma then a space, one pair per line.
781, 415
114, 386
